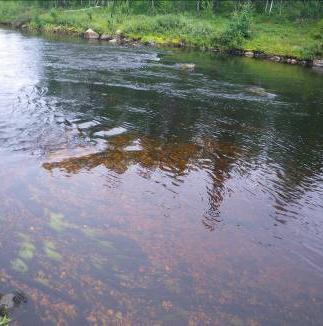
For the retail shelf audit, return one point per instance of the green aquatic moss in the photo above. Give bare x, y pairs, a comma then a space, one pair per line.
89, 232
56, 221
50, 251
26, 251
19, 265
4, 320
98, 261
106, 244
42, 280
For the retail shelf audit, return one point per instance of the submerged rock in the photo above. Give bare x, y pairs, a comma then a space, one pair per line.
12, 300
187, 66
7, 301
91, 34
260, 91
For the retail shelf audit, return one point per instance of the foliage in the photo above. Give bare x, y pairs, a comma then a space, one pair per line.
239, 27
292, 28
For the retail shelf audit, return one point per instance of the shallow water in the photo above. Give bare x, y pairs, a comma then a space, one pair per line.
133, 192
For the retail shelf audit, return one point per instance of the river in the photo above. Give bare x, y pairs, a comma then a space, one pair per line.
135, 192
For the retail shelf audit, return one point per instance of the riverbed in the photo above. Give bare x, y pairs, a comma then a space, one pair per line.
136, 192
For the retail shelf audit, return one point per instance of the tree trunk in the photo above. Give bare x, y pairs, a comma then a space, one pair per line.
271, 6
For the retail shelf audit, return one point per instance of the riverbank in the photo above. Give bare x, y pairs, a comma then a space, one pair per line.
298, 42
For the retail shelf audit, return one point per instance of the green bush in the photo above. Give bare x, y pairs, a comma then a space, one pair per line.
239, 28
312, 51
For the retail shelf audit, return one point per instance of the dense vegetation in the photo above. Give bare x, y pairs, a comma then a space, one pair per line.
289, 28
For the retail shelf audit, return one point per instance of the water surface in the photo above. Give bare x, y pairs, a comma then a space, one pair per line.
136, 193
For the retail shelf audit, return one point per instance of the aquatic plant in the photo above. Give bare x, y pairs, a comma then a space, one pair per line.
56, 221
50, 250
19, 265
4, 320
26, 250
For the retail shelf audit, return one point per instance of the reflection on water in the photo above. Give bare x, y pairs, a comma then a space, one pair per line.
173, 161
116, 165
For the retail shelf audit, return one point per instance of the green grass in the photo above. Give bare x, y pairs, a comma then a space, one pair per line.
302, 40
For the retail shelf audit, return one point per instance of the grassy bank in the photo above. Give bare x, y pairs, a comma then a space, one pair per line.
239, 29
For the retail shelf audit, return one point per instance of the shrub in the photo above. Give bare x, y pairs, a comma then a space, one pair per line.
239, 27
312, 51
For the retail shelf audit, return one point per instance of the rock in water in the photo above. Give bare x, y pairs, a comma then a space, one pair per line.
318, 63
105, 37
11, 300
260, 91
257, 90
90, 34
187, 66
7, 301
249, 54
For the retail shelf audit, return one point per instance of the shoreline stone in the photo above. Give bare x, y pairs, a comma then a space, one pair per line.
275, 58
105, 37
249, 54
91, 34
318, 62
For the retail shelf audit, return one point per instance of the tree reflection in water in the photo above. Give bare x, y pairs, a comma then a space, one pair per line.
175, 159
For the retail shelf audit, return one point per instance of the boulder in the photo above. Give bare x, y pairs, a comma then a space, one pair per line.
260, 55
257, 90
113, 41
149, 43
318, 63
275, 58
249, 54
90, 34
7, 301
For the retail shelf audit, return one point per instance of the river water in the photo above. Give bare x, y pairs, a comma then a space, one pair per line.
134, 192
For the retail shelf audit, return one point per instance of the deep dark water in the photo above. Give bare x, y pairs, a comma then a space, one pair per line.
133, 192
